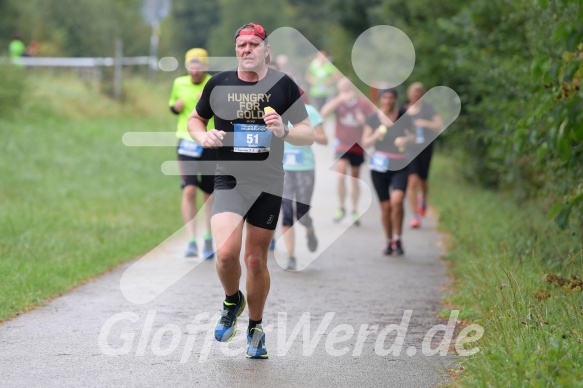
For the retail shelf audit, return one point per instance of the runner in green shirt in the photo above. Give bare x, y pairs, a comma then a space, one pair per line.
298, 186
186, 92
321, 75
16, 49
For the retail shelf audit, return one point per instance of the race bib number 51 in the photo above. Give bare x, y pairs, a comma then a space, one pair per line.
252, 138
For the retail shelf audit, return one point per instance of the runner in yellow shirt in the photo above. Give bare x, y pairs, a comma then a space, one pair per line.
186, 92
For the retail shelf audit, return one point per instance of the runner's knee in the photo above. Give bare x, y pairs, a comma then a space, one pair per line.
256, 263
227, 255
397, 198
341, 167
189, 192
413, 179
386, 206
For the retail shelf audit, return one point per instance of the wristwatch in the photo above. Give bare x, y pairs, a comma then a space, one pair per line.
285, 132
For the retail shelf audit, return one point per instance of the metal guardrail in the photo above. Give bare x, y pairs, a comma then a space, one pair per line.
80, 62
116, 62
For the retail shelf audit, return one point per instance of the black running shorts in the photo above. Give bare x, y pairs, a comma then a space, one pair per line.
258, 207
355, 160
385, 182
420, 165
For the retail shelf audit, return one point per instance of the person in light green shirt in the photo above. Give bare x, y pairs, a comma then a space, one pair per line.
299, 166
186, 92
16, 49
321, 75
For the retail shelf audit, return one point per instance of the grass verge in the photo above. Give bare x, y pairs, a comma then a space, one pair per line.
74, 201
518, 276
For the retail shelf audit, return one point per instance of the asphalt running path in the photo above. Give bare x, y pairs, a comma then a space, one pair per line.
350, 288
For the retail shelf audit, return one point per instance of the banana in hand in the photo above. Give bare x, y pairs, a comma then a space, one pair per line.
383, 131
267, 110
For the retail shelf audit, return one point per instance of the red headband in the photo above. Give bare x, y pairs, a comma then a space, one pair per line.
257, 31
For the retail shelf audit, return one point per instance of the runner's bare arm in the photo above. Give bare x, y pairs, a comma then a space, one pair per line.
301, 134
409, 138
369, 137
197, 129
331, 106
320, 136
435, 124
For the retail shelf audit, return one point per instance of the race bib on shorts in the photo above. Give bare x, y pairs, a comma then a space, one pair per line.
379, 162
252, 138
293, 157
190, 148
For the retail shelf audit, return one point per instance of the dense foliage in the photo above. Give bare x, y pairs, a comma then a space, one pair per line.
517, 66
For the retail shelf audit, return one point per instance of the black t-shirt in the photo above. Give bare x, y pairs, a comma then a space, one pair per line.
427, 112
401, 127
250, 150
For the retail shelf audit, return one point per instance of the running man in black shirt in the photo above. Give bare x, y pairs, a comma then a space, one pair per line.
249, 176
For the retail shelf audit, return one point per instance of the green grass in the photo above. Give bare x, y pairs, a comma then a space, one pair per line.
74, 201
500, 254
